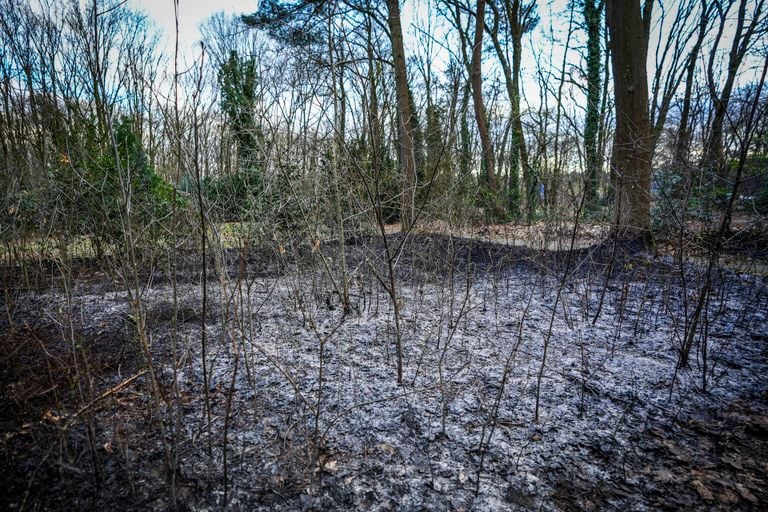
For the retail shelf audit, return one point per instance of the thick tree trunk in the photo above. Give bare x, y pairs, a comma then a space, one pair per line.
631, 159
407, 157
477, 95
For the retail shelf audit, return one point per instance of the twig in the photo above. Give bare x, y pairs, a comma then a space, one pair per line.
106, 394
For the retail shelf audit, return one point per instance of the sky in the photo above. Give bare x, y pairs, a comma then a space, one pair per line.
191, 14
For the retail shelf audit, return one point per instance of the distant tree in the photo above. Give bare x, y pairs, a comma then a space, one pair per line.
300, 23
86, 191
437, 161
238, 80
509, 20
522, 18
748, 29
419, 142
684, 130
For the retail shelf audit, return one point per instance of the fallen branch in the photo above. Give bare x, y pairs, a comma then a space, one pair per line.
106, 394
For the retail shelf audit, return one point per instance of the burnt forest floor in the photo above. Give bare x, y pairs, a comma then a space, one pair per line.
84, 426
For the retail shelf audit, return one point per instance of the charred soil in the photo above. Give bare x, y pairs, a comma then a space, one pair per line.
304, 411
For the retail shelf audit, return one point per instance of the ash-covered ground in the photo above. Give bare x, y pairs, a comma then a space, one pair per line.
304, 411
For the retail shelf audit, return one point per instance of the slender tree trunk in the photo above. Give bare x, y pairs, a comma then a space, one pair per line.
602, 131
407, 157
555, 175
465, 140
465, 150
631, 159
714, 159
683, 137
374, 123
339, 111
592, 15
519, 148
513, 93
477, 95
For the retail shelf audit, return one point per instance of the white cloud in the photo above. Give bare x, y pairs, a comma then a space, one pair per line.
191, 14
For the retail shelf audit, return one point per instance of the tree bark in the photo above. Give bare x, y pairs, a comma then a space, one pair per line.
477, 95
631, 159
513, 93
517, 14
592, 15
407, 157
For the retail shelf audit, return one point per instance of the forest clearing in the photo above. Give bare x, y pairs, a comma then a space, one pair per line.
304, 403
384, 255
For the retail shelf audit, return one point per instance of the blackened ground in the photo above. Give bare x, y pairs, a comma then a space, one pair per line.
620, 428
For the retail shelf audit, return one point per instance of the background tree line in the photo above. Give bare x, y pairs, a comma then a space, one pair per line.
307, 119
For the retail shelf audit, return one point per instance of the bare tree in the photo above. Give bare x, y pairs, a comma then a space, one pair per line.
747, 28
477, 95
407, 156
629, 27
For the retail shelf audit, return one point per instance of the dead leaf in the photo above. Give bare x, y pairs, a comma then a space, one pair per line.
727, 496
702, 490
386, 448
734, 462
462, 477
51, 416
746, 494
664, 476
